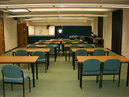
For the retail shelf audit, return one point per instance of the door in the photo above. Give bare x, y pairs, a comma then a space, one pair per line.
117, 17
2, 46
22, 35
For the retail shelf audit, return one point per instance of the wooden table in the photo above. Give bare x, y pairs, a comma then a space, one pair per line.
48, 42
55, 47
98, 39
30, 50
21, 59
67, 46
88, 50
102, 59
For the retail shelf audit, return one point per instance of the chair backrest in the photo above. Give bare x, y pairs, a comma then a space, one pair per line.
51, 49
99, 52
91, 65
41, 54
68, 42
81, 52
81, 42
21, 52
12, 71
76, 40
52, 43
82, 37
42, 40
88, 46
32, 46
40, 43
73, 46
112, 65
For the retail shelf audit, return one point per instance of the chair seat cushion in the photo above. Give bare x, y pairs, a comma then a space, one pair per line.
110, 72
41, 61
91, 73
16, 80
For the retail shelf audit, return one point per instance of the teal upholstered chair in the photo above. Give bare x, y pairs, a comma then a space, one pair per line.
41, 59
21, 52
52, 43
88, 46
32, 46
40, 43
82, 37
99, 52
68, 42
13, 74
52, 51
72, 46
90, 67
81, 42
112, 67
42, 40
81, 52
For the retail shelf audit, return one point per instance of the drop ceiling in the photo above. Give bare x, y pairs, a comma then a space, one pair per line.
53, 11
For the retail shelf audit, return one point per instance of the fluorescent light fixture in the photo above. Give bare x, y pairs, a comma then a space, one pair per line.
59, 18
60, 21
115, 6
58, 15
68, 9
18, 10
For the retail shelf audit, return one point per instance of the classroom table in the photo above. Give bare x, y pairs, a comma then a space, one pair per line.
48, 42
30, 50
67, 46
102, 59
55, 47
89, 50
20, 59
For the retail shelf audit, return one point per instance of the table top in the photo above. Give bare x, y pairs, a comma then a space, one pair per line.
96, 38
47, 42
34, 49
54, 45
80, 45
18, 59
89, 49
123, 59
73, 42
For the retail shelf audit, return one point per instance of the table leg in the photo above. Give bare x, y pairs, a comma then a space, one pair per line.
33, 74
55, 53
36, 70
66, 54
47, 59
63, 49
127, 75
73, 60
79, 70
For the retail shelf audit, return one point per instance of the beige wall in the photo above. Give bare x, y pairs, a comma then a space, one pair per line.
125, 34
94, 25
10, 33
107, 30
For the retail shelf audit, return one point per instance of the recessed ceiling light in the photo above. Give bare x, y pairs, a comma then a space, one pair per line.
18, 10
